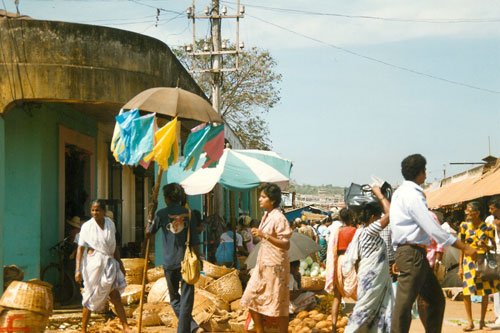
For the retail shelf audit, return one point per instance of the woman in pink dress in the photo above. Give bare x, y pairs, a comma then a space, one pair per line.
267, 290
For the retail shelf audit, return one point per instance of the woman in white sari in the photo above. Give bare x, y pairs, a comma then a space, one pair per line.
98, 263
372, 312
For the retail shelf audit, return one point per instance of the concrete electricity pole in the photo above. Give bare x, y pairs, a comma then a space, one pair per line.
216, 57
217, 49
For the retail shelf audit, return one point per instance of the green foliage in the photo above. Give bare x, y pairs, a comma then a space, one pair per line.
312, 189
246, 95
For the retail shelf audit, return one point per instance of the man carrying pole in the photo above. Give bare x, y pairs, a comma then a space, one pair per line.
173, 220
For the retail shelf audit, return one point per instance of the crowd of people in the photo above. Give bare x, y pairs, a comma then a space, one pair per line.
384, 254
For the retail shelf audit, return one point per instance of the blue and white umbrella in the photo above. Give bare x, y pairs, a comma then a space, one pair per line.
237, 170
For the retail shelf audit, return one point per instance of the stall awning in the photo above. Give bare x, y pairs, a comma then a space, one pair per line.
465, 190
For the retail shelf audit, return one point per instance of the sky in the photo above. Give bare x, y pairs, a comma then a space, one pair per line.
365, 83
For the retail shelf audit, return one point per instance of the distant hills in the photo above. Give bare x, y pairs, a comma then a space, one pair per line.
313, 189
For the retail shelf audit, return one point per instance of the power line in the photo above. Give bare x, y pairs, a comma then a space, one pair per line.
378, 60
379, 18
120, 19
155, 7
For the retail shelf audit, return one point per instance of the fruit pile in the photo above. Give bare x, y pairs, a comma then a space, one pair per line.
315, 322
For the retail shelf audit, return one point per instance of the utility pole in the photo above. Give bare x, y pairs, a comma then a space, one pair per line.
216, 51
216, 57
217, 48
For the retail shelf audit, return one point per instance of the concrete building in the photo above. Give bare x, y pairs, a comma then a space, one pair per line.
61, 86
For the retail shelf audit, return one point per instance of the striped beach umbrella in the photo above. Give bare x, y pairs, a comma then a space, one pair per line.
237, 170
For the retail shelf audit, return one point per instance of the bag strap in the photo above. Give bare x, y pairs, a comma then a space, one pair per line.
189, 227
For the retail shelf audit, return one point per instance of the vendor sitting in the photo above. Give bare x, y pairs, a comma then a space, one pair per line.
299, 300
225, 251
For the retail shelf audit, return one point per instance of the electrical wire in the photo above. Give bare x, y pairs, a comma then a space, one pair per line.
409, 70
379, 18
155, 7
119, 19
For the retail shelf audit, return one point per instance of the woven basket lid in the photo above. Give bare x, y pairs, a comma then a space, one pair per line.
34, 297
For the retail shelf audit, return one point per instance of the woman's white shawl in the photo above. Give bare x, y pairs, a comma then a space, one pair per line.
100, 270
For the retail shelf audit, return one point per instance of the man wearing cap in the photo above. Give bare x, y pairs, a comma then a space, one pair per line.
412, 227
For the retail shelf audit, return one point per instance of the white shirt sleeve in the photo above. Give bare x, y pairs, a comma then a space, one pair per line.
420, 213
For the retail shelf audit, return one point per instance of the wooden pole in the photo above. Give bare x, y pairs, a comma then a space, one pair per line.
152, 209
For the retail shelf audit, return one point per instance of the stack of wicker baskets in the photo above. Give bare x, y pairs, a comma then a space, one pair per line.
134, 268
215, 271
312, 283
227, 287
26, 306
154, 274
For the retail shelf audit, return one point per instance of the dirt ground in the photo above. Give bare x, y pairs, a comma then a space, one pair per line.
454, 316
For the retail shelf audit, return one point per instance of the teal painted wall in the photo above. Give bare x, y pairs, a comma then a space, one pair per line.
32, 171
2, 195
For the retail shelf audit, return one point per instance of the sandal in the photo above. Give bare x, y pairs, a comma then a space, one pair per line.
484, 327
468, 328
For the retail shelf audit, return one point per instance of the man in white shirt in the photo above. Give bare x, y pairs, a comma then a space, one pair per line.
412, 227
494, 220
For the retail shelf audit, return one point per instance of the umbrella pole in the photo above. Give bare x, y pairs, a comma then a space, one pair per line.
152, 209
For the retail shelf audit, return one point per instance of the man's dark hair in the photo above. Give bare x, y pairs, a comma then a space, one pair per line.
295, 263
273, 192
495, 202
175, 193
412, 166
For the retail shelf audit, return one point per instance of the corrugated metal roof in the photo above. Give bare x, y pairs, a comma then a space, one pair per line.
467, 189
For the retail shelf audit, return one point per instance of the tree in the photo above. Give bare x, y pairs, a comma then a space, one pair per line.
246, 95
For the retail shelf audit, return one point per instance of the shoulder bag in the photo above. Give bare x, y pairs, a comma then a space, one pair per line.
190, 266
487, 268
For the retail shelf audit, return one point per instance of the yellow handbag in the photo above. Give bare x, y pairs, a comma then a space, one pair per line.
190, 266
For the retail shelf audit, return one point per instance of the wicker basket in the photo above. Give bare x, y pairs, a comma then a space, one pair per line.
129, 309
154, 274
227, 287
131, 294
134, 268
168, 317
220, 304
237, 326
213, 325
203, 308
159, 292
312, 283
150, 314
215, 271
28, 296
203, 282
235, 305
14, 320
